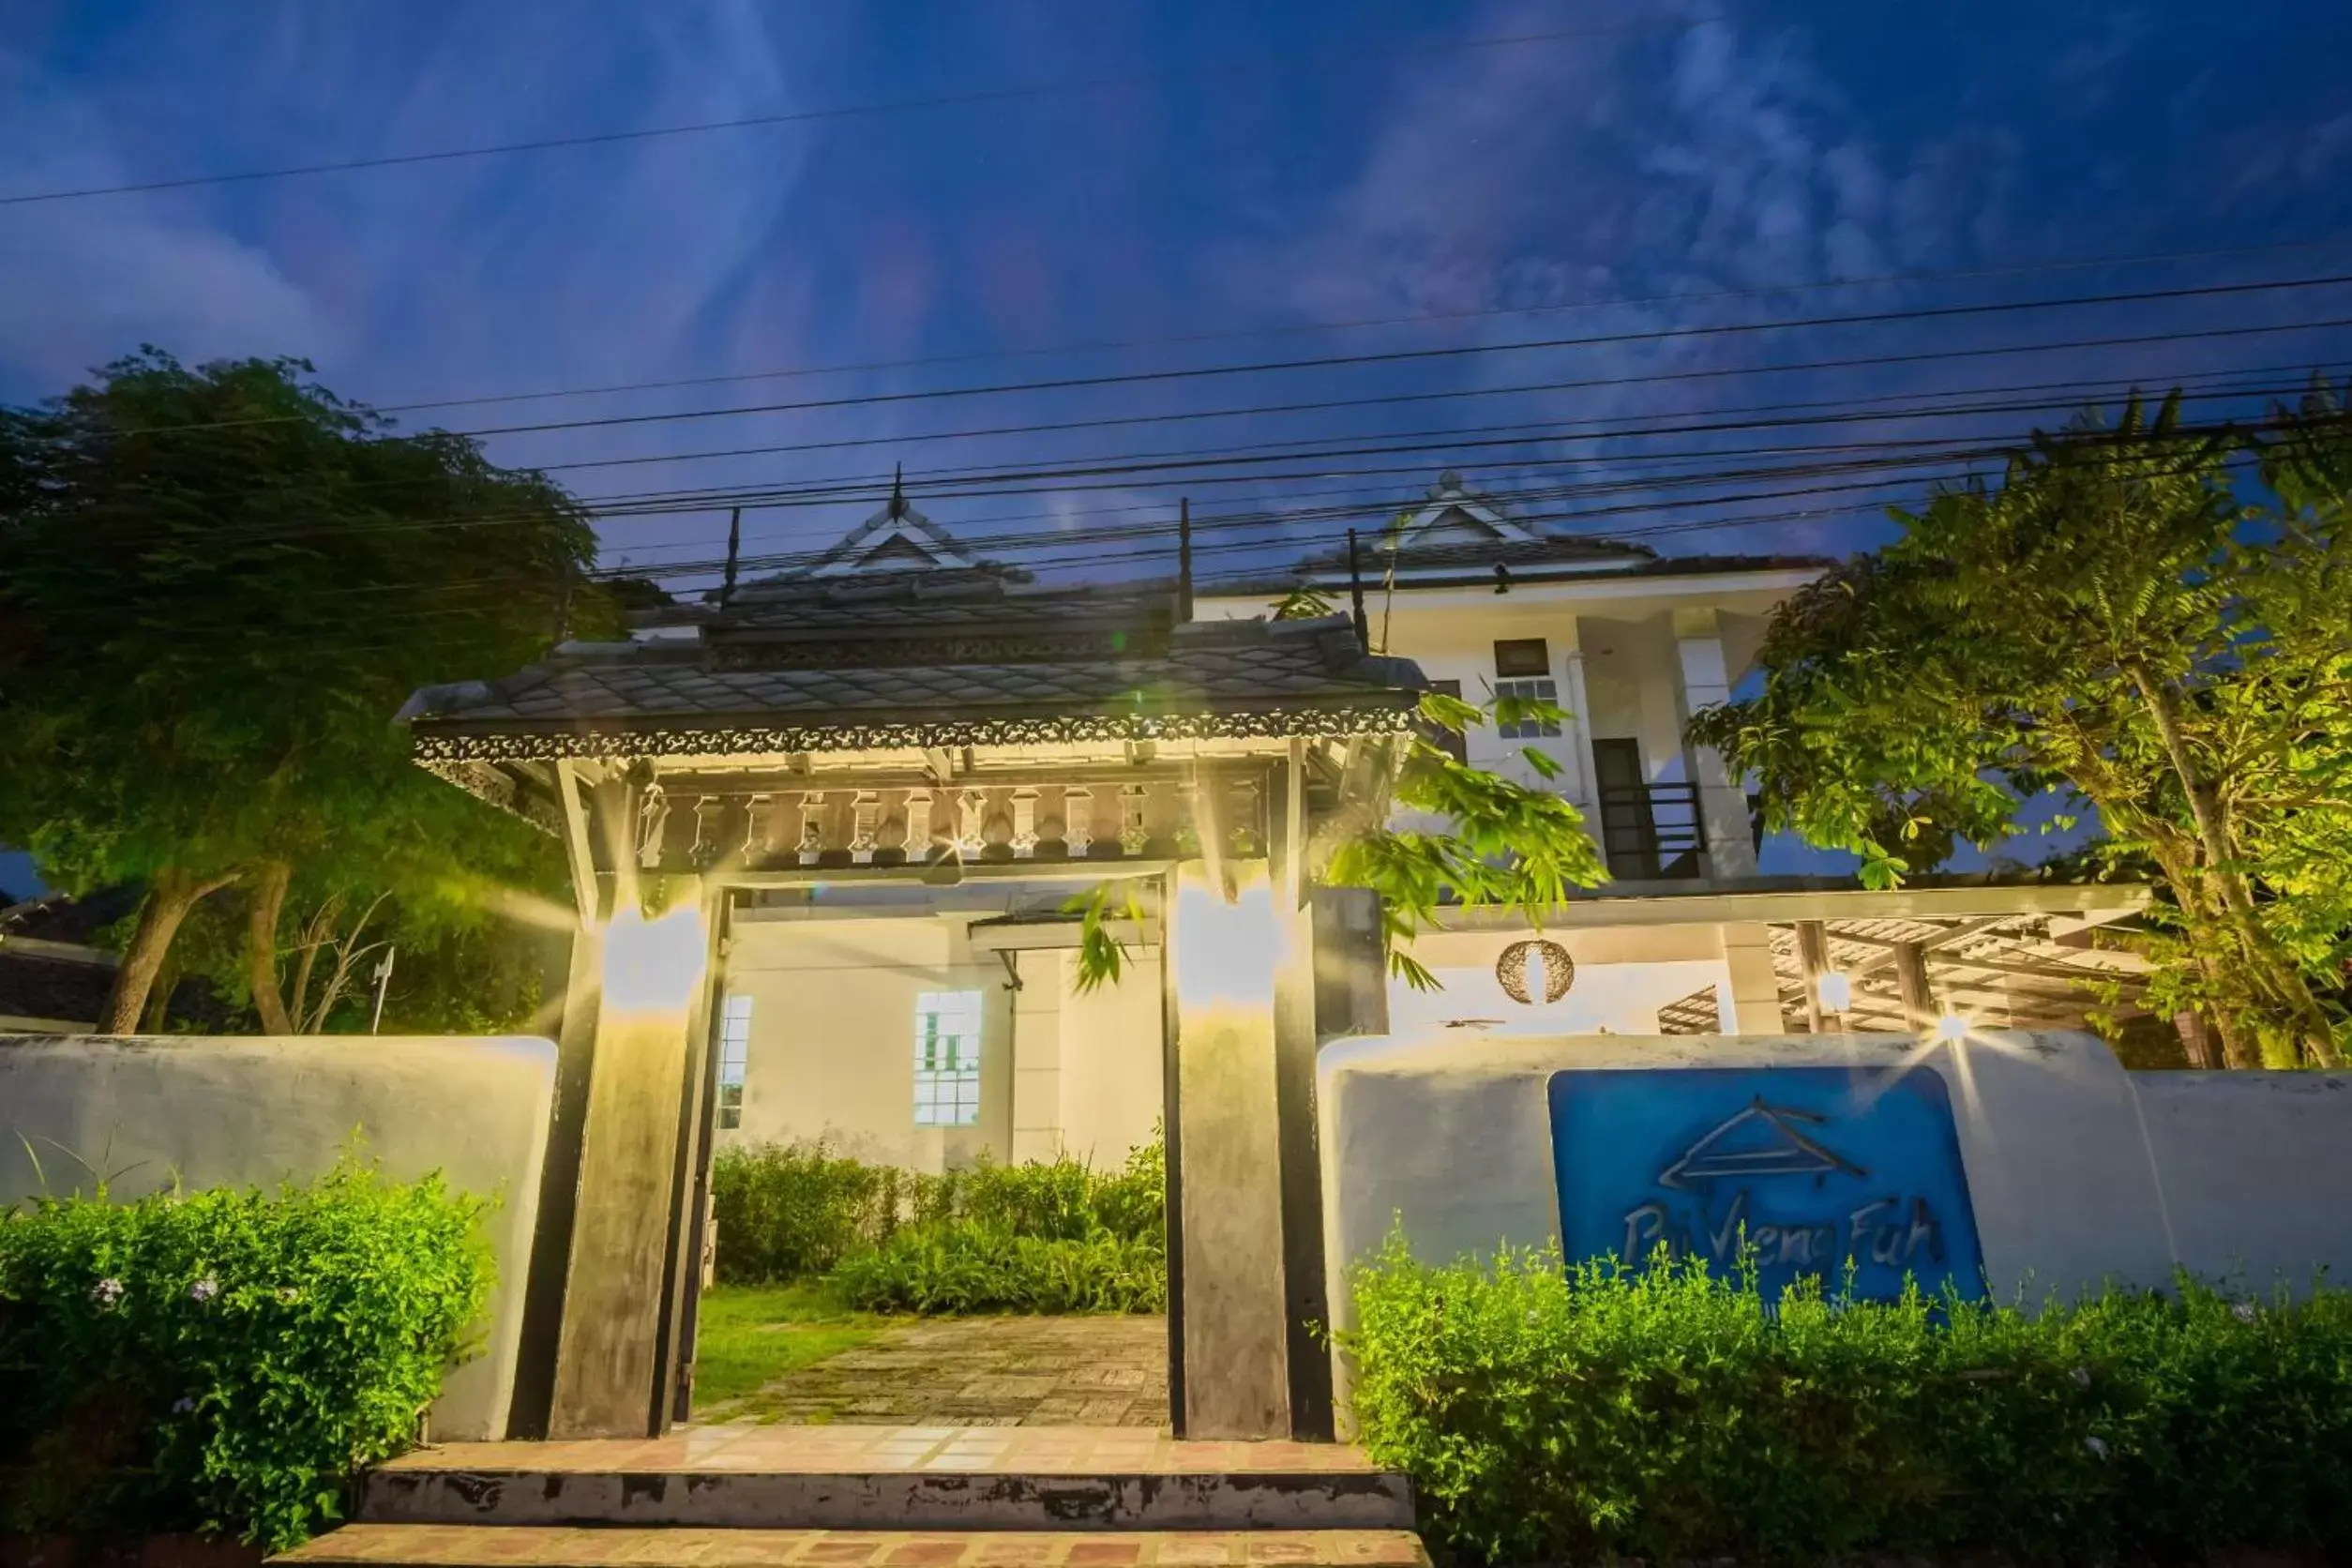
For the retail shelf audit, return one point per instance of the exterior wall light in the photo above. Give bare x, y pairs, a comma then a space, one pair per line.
654, 966
1951, 1026
1836, 991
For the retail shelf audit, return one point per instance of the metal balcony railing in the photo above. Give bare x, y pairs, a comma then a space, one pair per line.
1653, 832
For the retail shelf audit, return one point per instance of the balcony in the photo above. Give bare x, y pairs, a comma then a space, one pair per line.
1653, 832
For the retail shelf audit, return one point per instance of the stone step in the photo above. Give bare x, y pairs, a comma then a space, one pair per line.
379, 1545
894, 1478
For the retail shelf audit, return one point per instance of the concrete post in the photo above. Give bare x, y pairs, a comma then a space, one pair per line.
1583, 784
609, 1355
1747, 953
1911, 978
1723, 804
1224, 957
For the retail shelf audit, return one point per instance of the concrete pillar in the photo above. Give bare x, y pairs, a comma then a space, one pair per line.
1755, 990
1723, 804
609, 1356
1582, 781
1224, 957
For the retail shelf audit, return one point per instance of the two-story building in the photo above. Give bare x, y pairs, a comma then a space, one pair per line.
1687, 935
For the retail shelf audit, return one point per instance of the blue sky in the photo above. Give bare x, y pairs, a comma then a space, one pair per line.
1248, 168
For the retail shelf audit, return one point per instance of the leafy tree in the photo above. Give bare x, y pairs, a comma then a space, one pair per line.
2110, 620
217, 586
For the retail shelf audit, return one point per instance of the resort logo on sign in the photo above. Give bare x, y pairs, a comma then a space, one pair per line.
1814, 1167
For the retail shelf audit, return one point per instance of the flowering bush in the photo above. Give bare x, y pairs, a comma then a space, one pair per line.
1554, 1413
225, 1360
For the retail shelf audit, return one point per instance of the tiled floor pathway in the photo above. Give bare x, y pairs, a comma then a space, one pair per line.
1094, 1371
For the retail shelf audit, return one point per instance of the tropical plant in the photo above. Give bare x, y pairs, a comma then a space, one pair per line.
2111, 622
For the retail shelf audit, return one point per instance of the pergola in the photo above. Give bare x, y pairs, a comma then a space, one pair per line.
932, 725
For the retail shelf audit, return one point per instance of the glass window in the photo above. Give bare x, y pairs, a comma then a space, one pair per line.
947, 1059
1528, 729
735, 1051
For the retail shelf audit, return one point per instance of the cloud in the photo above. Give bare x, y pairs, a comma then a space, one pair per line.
83, 283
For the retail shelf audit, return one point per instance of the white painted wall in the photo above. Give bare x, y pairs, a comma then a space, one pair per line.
220, 1112
2078, 1171
832, 1048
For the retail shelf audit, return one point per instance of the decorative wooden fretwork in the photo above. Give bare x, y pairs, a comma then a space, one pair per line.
739, 652
759, 821
1077, 821
706, 849
971, 823
1133, 832
916, 842
438, 746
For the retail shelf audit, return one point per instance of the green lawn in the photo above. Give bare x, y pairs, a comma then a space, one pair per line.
748, 1335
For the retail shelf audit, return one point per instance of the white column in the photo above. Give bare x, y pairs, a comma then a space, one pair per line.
1583, 782
1722, 804
1754, 992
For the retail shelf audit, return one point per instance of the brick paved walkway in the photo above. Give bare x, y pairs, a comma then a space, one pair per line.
523, 1546
1091, 1371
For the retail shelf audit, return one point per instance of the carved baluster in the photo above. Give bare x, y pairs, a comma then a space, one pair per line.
812, 826
865, 813
917, 841
708, 810
1133, 834
1024, 822
971, 836
759, 827
653, 816
1077, 821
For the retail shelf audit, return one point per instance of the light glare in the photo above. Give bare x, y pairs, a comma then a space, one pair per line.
1836, 991
654, 966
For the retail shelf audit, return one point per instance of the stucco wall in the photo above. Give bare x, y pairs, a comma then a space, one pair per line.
244, 1111
832, 1050
2077, 1170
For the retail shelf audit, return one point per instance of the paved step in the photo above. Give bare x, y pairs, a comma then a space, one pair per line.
850, 1478
527, 1546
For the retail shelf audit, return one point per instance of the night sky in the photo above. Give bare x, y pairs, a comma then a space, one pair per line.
1198, 185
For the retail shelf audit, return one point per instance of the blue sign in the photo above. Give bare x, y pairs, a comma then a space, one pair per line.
1809, 1166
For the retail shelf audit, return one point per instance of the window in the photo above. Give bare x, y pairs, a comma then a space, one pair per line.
1523, 656
947, 1059
734, 1050
1528, 729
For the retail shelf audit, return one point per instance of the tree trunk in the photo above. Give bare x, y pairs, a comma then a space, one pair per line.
170, 896
260, 944
2273, 971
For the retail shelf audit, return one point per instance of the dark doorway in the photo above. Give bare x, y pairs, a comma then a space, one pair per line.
1649, 832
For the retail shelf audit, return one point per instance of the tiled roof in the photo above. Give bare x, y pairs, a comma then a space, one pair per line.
1458, 566
1215, 677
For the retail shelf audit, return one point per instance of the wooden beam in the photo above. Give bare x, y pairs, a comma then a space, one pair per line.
1813, 958
1911, 978
568, 784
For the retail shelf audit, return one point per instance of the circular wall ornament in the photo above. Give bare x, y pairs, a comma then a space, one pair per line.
1557, 969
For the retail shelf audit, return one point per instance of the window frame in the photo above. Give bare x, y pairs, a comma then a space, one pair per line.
948, 1095
1516, 657
1529, 728
735, 1060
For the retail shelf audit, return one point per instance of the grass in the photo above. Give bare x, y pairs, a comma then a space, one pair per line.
749, 1336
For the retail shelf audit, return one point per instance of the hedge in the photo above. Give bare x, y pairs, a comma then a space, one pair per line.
1040, 1236
225, 1360
1558, 1414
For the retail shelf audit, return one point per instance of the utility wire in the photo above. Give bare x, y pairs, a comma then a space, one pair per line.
1694, 296
1390, 356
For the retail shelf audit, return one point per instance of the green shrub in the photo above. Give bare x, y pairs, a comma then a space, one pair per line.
791, 1211
225, 1360
788, 1211
960, 1266
1567, 1414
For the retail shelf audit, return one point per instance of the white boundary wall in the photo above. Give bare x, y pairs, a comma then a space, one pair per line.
2079, 1172
244, 1111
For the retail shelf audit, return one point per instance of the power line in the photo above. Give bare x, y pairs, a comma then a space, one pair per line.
807, 117
1694, 296
1424, 355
